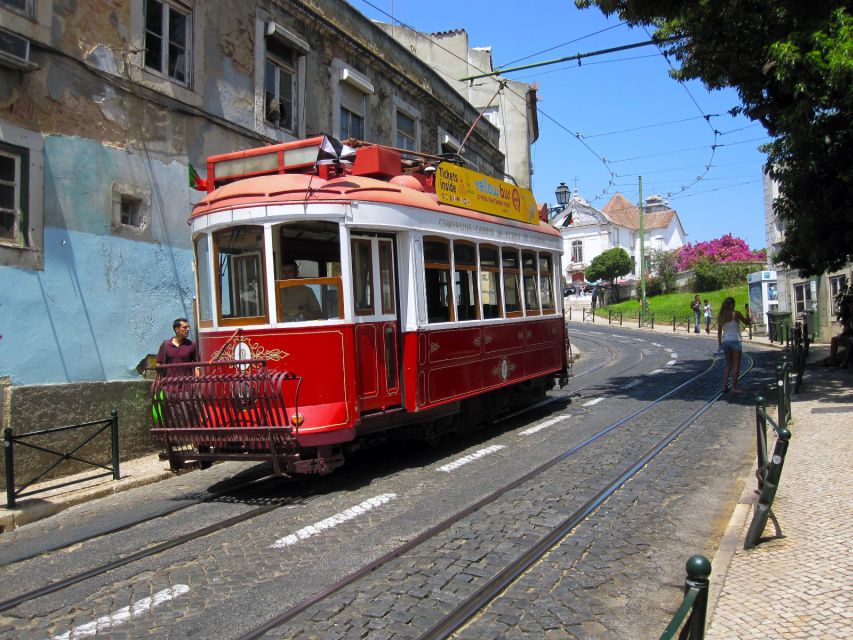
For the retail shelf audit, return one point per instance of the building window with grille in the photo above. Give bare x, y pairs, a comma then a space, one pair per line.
577, 251
12, 196
167, 40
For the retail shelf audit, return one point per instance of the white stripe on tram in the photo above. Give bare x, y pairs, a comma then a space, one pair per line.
333, 521
544, 425
470, 458
138, 608
592, 402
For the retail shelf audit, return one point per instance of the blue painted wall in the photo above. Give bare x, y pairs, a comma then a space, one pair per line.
102, 302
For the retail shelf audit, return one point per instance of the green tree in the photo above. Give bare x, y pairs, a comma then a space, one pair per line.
609, 265
664, 270
791, 63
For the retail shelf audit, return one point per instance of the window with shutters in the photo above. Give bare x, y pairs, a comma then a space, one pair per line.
352, 112
21, 192
12, 180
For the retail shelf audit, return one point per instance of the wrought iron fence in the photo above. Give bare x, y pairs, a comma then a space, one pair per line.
769, 470
24, 440
690, 617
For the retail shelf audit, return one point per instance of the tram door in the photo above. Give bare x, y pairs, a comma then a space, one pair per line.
377, 329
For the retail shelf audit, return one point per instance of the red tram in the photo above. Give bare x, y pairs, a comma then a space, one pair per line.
426, 294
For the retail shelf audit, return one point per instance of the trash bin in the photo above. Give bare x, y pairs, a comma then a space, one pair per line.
778, 325
807, 318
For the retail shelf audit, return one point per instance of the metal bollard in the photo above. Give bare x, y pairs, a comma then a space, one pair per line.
10, 468
114, 441
760, 437
653, 321
698, 572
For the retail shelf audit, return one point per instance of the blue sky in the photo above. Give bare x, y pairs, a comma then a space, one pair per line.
615, 102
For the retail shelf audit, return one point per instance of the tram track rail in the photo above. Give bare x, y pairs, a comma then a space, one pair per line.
467, 610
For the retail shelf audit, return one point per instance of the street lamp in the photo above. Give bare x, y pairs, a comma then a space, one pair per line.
562, 193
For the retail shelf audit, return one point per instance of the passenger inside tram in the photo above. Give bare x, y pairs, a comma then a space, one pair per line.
297, 302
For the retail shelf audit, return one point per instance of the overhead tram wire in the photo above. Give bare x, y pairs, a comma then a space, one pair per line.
516, 93
560, 46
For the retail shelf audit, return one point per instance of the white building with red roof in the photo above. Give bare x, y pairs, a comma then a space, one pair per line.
587, 232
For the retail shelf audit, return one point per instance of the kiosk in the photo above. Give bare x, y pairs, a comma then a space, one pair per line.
763, 295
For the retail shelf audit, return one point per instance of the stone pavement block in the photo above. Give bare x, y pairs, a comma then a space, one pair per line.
799, 586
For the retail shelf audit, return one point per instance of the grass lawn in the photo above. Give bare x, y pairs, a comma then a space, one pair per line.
678, 304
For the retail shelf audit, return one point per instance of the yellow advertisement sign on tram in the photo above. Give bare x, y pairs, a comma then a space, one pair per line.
473, 190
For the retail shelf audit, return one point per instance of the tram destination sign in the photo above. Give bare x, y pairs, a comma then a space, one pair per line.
476, 191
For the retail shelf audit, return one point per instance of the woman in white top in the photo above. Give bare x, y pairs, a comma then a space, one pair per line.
728, 337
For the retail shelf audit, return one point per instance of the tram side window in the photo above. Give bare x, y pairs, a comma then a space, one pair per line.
386, 276
490, 280
546, 282
465, 281
202, 261
362, 277
512, 281
531, 292
240, 273
437, 280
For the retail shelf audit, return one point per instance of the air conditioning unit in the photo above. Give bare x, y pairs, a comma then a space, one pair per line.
15, 52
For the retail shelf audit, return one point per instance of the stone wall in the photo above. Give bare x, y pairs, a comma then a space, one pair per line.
31, 408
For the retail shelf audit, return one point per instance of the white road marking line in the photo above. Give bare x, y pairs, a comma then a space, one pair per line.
673, 354
592, 402
138, 608
651, 373
671, 362
655, 344
639, 339
470, 458
333, 521
631, 384
544, 425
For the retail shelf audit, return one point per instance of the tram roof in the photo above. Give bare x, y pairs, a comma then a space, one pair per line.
402, 190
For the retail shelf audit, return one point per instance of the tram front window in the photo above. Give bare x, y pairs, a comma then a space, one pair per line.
437, 277
240, 274
308, 273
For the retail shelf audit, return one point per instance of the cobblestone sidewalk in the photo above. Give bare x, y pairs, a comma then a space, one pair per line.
799, 586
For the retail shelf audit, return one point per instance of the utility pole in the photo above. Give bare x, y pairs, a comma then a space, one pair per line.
644, 305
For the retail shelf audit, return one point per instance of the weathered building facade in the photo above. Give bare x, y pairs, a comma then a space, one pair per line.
104, 105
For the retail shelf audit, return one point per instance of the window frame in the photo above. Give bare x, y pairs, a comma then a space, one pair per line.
519, 289
496, 270
267, 29
800, 306
472, 280
169, 6
577, 244
263, 277
548, 277
18, 212
346, 79
371, 277
29, 146
532, 273
448, 269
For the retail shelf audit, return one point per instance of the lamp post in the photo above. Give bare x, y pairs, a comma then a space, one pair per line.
644, 305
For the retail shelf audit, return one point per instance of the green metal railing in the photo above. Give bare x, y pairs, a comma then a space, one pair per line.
799, 346
690, 617
10, 440
611, 314
768, 473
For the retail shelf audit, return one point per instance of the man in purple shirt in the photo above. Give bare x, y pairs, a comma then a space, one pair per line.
178, 349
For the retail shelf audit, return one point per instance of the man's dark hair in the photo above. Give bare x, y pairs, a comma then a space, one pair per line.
178, 321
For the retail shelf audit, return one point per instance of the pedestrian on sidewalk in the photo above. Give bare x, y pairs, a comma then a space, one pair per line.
707, 310
728, 337
696, 308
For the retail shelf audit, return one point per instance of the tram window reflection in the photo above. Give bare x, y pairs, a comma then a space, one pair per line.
240, 269
437, 280
512, 281
202, 260
546, 282
465, 281
490, 278
531, 292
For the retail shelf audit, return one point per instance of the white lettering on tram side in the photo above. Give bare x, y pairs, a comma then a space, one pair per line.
593, 402
544, 425
333, 521
138, 608
470, 458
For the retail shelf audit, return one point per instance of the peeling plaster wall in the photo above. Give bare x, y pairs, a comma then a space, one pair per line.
102, 302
